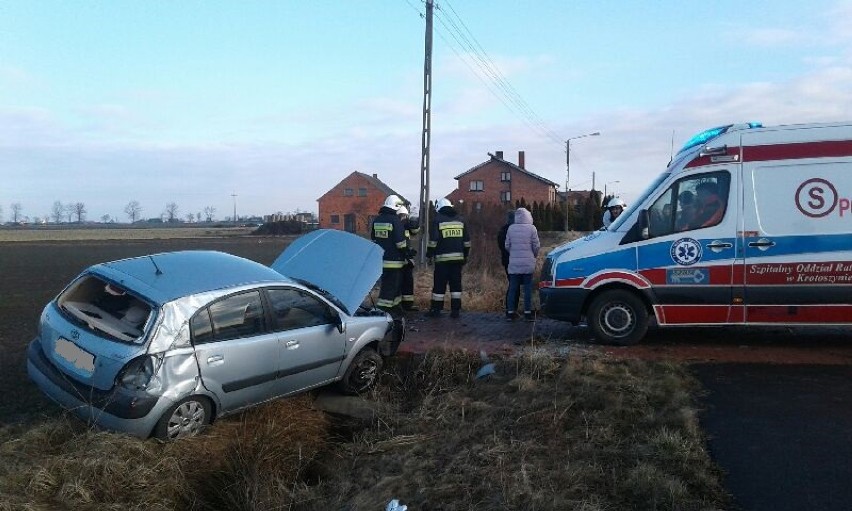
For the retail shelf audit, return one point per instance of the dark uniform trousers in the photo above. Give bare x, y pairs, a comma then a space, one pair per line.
449, 272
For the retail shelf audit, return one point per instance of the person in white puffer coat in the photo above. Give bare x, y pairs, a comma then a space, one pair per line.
523, 245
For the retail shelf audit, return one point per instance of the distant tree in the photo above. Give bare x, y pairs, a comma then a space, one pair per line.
547, 225
592, 216
190, 217
80, 211
133, 210
16, 209
209, 211
69, 212
105, 219
198, 217
171, 212
57, 213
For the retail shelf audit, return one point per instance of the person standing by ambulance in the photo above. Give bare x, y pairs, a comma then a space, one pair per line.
523, 245
411, 227
387, 231
613, 210
449, 246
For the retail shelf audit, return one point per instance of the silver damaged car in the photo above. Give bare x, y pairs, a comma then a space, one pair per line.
162, 345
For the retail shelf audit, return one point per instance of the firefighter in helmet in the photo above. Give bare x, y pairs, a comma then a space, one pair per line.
449, 246
388, 232
613, 210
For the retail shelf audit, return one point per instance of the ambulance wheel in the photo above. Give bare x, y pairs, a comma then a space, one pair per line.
363, 373
618, 317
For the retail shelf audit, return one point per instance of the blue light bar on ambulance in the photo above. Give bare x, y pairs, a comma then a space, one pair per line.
707, 135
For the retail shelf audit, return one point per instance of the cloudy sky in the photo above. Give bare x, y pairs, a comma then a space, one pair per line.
193, 102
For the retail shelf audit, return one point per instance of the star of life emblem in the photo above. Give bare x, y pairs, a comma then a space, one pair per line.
686, 251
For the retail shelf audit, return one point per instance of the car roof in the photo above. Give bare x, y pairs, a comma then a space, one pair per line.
170, 275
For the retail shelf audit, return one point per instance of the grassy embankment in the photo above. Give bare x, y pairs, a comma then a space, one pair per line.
542, 433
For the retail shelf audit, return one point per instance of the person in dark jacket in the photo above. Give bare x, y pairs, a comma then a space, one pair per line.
449, 246
388, 232
411, 226
523, 245
504, 259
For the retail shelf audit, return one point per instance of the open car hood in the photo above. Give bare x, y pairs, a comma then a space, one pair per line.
343, 264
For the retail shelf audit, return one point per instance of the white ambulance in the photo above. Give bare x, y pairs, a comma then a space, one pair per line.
748, 225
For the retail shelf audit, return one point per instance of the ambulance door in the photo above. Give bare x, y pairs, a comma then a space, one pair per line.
690, 256
798, 252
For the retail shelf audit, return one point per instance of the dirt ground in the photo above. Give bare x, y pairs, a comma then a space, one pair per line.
772, 345
34, 272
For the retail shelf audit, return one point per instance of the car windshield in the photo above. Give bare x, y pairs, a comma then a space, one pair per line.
641, 200
328, 296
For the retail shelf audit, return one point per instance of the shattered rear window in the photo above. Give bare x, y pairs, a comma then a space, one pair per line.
106, 309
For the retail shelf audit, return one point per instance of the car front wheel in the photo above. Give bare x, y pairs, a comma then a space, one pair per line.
185, 419
618, 317
362, 373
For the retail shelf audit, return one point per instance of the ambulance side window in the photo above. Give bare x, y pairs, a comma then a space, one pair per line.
660, 215
694, 202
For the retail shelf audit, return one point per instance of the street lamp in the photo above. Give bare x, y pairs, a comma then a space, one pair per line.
609, 183
568, 169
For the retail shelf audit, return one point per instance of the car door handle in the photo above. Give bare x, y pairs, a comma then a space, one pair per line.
215, 359
762, 244
291, 345
718, 246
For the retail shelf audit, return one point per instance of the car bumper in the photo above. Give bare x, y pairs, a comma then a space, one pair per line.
564, 304
121, 410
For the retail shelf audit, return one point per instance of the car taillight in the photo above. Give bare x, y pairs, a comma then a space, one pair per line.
137, 373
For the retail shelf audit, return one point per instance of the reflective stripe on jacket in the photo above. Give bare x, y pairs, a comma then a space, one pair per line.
387, 231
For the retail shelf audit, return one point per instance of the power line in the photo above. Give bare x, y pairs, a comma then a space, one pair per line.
495, 73
474, 56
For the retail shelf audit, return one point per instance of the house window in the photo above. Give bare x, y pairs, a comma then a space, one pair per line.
362, 192
505, 176
506, 196
335, 219
477, 186
347, 192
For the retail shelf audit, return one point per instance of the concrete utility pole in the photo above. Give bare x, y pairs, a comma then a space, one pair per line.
235, 207
425, 210
568, 171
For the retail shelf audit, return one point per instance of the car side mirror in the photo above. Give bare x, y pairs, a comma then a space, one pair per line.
338, 321
644, 223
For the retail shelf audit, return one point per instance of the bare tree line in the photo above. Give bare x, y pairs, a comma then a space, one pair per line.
75, 212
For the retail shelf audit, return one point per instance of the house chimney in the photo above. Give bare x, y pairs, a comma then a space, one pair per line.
375, 176
500, 155
521, 159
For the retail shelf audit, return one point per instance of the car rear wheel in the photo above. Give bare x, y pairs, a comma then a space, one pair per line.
184, 419
362, 373
618, 317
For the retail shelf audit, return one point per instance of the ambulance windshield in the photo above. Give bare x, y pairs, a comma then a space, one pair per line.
639, 200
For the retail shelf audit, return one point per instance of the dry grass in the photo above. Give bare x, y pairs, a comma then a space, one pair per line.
542, 433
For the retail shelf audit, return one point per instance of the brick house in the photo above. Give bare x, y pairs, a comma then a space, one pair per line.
353, 202
497, 181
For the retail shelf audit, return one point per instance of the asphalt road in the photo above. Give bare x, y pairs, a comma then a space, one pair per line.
782, 433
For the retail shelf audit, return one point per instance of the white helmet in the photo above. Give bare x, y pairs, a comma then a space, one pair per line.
402, 211
616, 202
393, 202
443, 203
